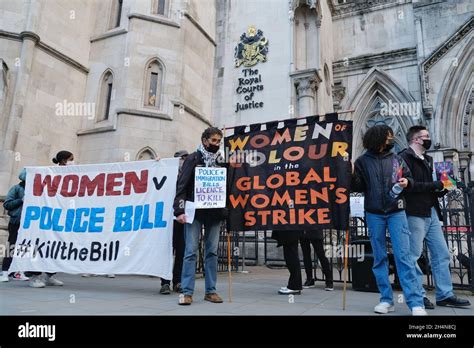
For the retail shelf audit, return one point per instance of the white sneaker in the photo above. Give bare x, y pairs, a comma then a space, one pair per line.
86, 275
4, 277
110, 276
384, 308
36, 282
418, 311
20, 276
286, 291
53, 281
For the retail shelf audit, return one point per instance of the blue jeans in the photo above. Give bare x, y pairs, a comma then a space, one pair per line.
429, 228
192, 232
400, 237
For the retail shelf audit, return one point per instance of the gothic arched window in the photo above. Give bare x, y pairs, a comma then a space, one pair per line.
106, 94
160, 7
154, 83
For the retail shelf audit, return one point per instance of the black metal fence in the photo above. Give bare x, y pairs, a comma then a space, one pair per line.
458, 213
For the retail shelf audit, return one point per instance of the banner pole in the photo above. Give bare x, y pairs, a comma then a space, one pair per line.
229, 264
229, 269
346, 248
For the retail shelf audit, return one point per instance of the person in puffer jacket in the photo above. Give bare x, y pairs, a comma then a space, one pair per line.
13, 204
383, 176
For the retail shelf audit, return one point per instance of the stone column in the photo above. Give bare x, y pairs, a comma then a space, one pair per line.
306, 83
470, 170
9, 162
318, 41
464, 165
3, 91
309, 45
305, 92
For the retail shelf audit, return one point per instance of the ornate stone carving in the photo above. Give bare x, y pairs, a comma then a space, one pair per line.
312, 4
466, 122
306, 82
356, 6
447, 45
359, 62
338, 94
437, 55
305, 87
294, 4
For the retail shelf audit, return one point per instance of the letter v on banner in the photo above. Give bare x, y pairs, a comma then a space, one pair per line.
121, 210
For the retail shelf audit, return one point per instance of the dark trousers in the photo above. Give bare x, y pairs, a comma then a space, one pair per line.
292, 259
178, 250
12, 236
32, 274
308, 260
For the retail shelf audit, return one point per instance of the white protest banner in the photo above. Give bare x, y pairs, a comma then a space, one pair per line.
101, 218
210, 186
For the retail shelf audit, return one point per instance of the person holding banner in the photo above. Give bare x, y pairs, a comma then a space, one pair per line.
62, 158
206, 155
14, 204
424, 215
382, 175
315, 237
178, 245
289, 241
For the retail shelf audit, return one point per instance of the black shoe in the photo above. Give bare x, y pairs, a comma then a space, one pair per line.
309, 283
453, 301
329, 286
428, 304
177, 288
165, 289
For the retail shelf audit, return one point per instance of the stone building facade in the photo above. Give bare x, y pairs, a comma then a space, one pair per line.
398, 62
109, 80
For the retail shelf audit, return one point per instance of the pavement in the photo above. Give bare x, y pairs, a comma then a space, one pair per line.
253, 293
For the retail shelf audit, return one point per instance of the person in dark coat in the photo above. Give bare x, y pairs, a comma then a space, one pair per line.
382, 175
315, 237
423, 214
289, 241
207, 155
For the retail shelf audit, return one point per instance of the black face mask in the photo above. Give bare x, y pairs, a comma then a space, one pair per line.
390, 145
426, 144
212, 148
